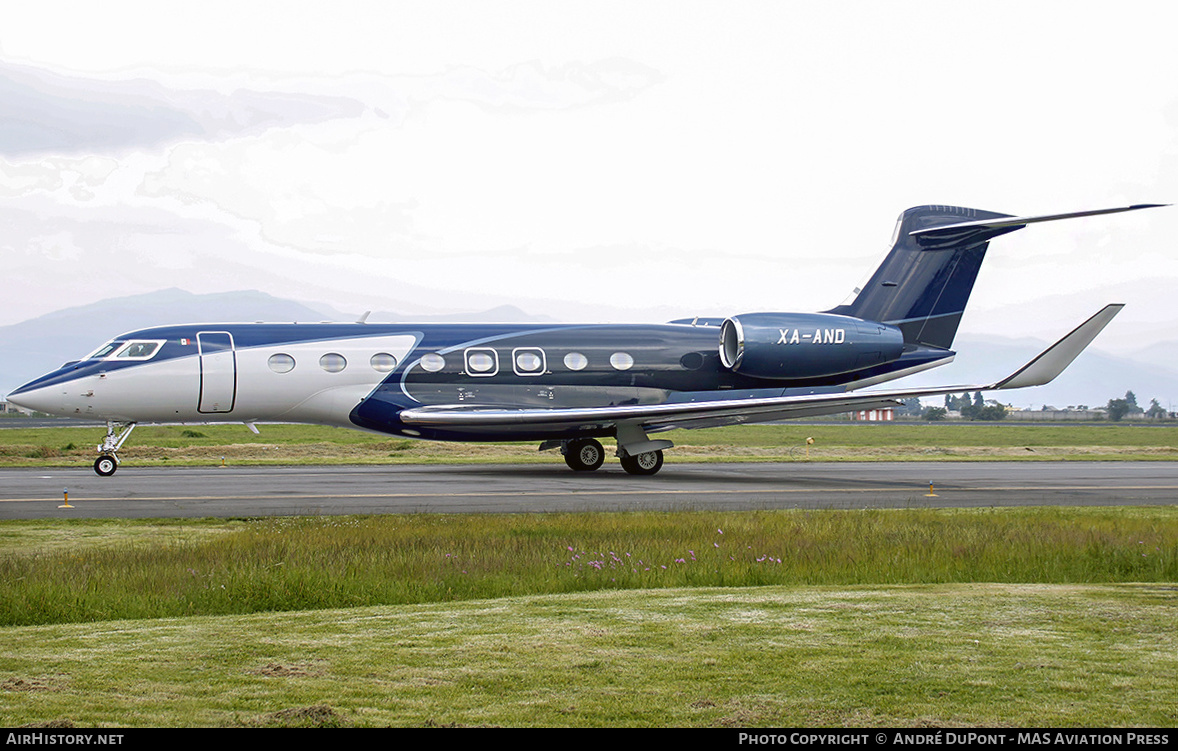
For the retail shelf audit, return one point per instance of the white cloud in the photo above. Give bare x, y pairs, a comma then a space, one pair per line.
49, 113
573, 156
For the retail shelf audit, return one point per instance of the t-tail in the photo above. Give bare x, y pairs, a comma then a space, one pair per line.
923, 285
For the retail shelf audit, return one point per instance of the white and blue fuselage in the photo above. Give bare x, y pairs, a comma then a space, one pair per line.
565, 385
364, 375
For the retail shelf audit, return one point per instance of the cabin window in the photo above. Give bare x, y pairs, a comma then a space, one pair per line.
576, 361
432, 362
621, 361
281, 363
692, 361
383, 362
482, 362
528, 361
333, 362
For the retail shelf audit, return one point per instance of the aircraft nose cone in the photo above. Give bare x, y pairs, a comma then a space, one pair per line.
41, 400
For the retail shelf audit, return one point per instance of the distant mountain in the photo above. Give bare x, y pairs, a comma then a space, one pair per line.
1163, 354
1094, 378
501, 314
37, 346
1149, 315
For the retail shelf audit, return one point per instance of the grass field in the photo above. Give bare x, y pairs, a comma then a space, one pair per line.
905, 617
1008, 616
903, 656
298, 444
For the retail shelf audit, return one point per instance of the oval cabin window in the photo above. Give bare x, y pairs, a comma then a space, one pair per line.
383, 362
576, 361
332, 362
432, 362
621, 361
281, 363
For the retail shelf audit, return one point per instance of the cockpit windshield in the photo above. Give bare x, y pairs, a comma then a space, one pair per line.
103, 351
138, 350
126, 350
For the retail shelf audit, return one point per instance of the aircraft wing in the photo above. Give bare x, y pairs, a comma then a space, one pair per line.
655, 417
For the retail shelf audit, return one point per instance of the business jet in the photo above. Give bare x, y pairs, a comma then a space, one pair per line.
565, 385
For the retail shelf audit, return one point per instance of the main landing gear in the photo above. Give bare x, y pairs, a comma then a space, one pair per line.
586, 455
583, 454
108, 459
646, 463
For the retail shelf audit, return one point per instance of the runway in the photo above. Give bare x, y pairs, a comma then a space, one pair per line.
136, 492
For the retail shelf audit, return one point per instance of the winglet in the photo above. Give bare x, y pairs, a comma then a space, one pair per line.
1052, 361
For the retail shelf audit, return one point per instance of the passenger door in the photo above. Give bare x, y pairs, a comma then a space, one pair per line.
218, 372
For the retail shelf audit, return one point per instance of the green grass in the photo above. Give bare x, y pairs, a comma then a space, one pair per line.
931, 656
305, 444
1010, 616
906, 617
214, 568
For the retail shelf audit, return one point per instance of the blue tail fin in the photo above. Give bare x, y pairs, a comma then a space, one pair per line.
924, 283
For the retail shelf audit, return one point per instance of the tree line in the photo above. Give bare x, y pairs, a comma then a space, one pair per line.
1118, 409
975, 407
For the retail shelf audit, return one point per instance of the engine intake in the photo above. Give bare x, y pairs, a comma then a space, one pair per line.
788, 346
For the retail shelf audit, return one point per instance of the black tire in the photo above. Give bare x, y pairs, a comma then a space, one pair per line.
647, 463
584, 455
105, 466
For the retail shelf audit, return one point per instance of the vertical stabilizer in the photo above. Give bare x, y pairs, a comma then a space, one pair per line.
924, 282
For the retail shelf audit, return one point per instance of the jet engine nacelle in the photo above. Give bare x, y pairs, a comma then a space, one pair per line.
787, 346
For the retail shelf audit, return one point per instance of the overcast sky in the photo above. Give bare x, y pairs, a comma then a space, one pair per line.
592, 160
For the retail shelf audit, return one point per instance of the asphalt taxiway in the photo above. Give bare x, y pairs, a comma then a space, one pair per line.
136, 492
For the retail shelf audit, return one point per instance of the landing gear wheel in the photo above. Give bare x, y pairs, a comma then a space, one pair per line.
646, 463
105, 466
117, 434
583, 455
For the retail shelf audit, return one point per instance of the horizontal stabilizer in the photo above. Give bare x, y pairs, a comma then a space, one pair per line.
1022, 221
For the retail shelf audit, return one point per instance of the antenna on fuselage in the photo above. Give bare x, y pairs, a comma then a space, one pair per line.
364, 318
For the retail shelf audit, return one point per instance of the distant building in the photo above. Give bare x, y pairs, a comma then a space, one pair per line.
1054, 415
11, 409
874, 415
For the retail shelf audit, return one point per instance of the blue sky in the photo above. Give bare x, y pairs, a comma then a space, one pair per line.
592, 160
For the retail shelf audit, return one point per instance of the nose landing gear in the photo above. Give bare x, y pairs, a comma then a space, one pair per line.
108, 459
106, 465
